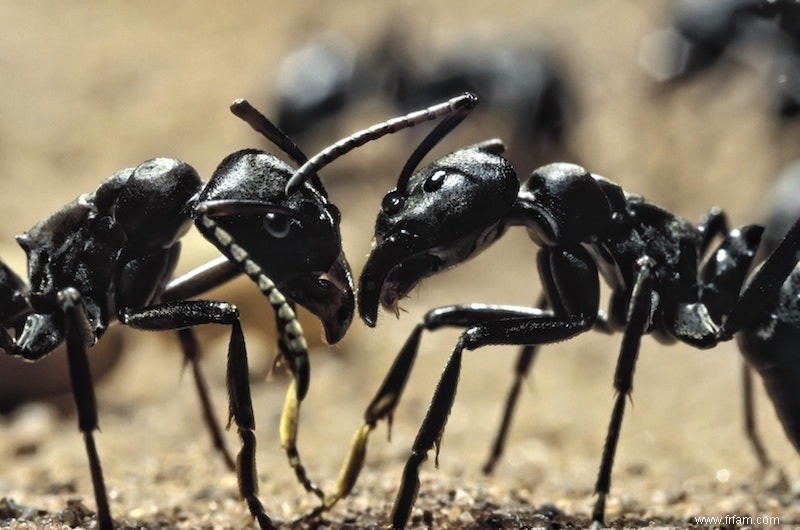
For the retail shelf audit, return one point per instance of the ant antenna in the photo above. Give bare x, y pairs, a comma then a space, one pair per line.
243, 110
429, 142
455, 109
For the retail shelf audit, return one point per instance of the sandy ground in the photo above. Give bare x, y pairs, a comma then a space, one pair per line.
95, 87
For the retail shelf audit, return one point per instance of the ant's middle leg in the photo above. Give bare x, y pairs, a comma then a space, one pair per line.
76, 329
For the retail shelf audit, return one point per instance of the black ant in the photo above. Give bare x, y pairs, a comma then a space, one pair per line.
318, 81
666, 276
110, 255
701, 34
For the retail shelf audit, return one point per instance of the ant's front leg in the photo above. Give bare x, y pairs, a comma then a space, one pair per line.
161, 264
721, 277
185, 314
387, 397
571, 281
512, 331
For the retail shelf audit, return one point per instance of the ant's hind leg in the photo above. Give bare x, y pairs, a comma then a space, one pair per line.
14, 307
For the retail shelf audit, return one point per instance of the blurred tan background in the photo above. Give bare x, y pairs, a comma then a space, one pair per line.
91, 88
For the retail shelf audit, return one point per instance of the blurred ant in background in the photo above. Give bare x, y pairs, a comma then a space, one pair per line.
519, 83
762, 33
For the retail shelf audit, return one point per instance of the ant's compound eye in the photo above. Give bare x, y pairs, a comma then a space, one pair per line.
435, 181
277, 225
393, 202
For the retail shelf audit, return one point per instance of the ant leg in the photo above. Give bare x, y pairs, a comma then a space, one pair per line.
200, 280
294, 349
519, 331
381, 406
722, 276
191, 354
184, 314
14, 306
525, 359
222, 270
571, 281
188, 286
385, 401
389, 393
527, 354
638, 319
77, 331
750, 418
752, 432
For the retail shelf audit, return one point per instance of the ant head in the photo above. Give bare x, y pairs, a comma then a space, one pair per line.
294, 242
436, 218
298, 234
291, 242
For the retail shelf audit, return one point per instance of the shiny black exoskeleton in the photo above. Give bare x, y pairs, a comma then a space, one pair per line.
110, 255
770, 342
668, 278
702, 33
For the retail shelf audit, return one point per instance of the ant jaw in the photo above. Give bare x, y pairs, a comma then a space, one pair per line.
328, 296
394, 267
